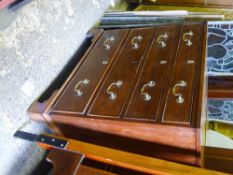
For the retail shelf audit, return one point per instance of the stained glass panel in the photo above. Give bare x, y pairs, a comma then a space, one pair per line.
220, 110
220, 48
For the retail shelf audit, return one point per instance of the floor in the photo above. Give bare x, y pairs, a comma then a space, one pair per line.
36, 41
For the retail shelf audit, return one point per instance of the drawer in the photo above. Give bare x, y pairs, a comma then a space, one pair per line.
92, 68
179, 100
145, 100
119, 81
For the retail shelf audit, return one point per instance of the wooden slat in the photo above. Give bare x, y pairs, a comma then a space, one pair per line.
85, 170
69, 163
220, 86
223, 157
155, 133
64, 162
133, 161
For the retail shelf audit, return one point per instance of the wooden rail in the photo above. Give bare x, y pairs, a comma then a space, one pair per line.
131, 161
220, 86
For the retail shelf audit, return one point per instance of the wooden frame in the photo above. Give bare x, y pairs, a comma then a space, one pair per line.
185, 142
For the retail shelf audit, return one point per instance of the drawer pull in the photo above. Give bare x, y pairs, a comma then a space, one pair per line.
107, 42
77, 87
111, 94
187, 38
180, 98
147, 96
161, 40
135, 40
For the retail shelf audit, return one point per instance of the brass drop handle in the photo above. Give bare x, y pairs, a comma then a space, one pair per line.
161, 40
146, 95
187, 38
180, 98
107, 42
135, 41
111, 94
77, 86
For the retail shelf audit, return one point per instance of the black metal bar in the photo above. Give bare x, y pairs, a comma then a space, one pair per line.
26, 136
42, 138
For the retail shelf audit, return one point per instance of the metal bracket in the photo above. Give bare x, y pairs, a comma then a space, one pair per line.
59, 143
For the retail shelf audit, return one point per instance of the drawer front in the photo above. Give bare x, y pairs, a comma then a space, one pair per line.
115, 89
179, 100
82, 86
145, 100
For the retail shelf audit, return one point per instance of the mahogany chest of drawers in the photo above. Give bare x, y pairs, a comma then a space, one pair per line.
140, 90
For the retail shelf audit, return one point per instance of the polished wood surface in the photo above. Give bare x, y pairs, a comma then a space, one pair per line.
85, 170
133, 161
184, 71
125, 69
70, 163
222, 3
181, 137
92, 69
219, 159
42, 105
153, 149
156, 68
179, 129
200, 106
220, 86
64, 162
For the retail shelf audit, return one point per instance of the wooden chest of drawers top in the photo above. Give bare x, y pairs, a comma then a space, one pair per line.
136, 89
142, 75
